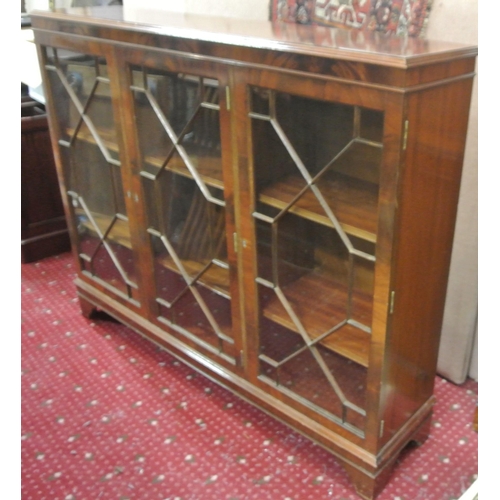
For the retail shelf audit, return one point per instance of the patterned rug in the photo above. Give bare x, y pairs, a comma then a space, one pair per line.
107, 415
399, 17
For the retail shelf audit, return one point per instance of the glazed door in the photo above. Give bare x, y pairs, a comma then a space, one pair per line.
183, 164
79, 85
316, 162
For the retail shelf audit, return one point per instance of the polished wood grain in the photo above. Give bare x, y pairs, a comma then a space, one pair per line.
345, 54
400, 210
427, 209
331, 42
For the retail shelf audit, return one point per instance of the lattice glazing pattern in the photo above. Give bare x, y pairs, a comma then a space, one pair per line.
89, 145
182, 179
316, 255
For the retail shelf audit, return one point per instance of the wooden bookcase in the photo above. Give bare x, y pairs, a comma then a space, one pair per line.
273, 204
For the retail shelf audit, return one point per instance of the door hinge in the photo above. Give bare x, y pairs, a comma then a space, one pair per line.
135, 196
405, 135
228, 99
391, 302
381, 432
235, 242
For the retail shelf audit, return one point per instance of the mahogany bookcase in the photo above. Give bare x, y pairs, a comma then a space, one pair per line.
274, 204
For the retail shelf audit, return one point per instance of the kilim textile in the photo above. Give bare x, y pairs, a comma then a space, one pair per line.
395, 17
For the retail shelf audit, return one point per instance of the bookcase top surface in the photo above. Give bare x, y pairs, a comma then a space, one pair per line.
323, 41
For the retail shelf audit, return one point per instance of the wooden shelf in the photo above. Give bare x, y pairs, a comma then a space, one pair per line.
208, 167
307, 298
353, 201
107, 136
120, 233
215, 278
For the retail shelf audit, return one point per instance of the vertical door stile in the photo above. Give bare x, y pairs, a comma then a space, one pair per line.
379, 391
54, 128
231, 197
124, 109
245, 237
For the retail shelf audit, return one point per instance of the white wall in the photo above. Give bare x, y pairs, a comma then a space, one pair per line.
44, 4
250, 9
36, 5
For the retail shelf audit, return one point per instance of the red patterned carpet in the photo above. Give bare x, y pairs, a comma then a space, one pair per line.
107, 415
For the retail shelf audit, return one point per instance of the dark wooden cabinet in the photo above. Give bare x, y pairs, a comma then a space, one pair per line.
43, 225
273, 204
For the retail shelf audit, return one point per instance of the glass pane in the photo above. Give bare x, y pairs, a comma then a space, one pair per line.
90, 153
191, 270
316, 168
203, 314
288, 364
178, 123
84, 96
178, 116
